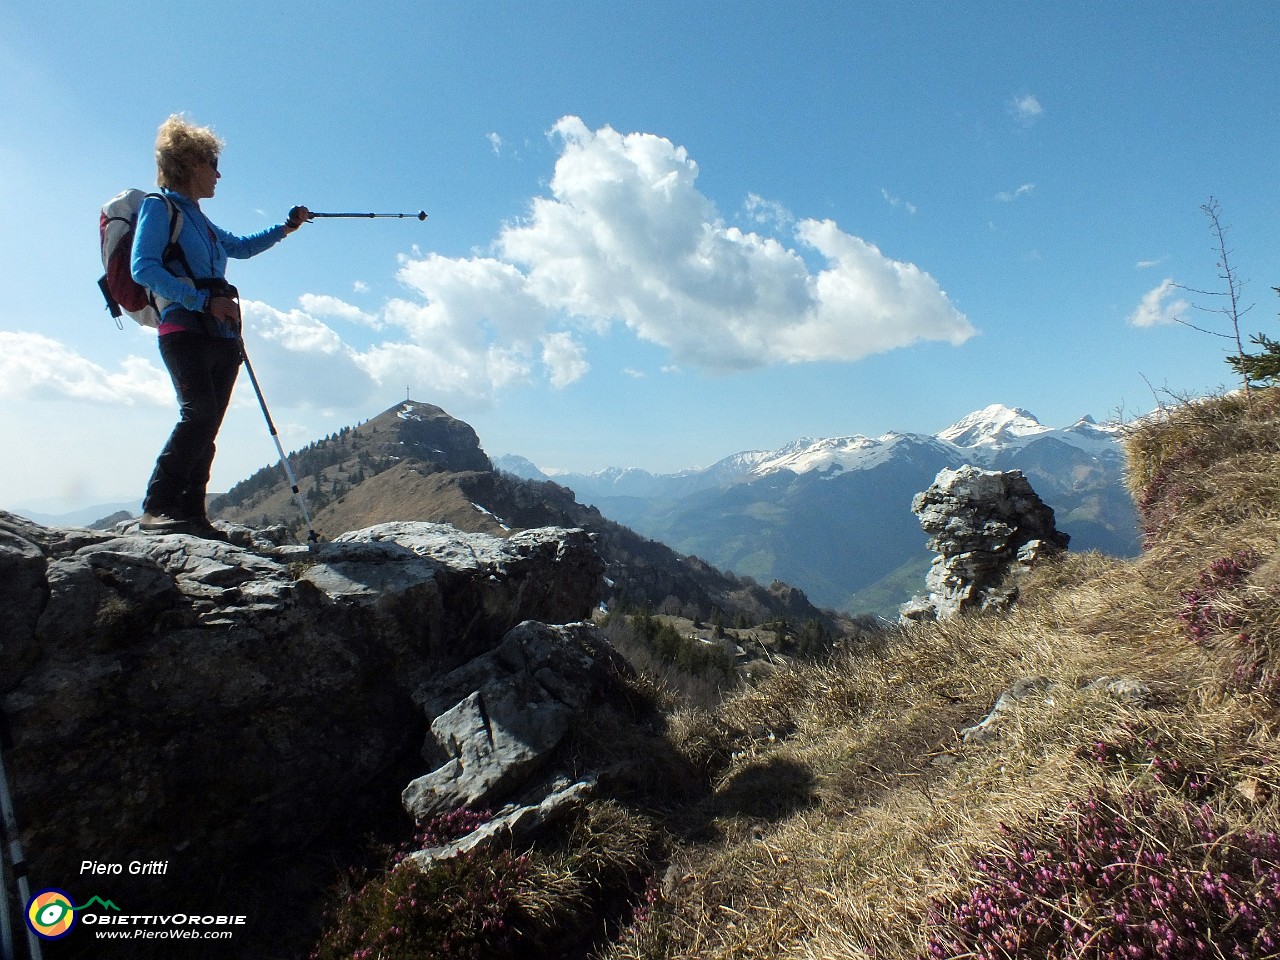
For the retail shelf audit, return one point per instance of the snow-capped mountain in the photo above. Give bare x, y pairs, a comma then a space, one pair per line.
833, 515
996, 425
834, 455
980, 438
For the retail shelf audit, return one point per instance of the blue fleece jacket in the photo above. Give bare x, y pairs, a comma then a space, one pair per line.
206, 246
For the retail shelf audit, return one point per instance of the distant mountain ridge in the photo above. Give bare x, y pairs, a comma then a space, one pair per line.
832, 515
82, 517
985, 435
416, 462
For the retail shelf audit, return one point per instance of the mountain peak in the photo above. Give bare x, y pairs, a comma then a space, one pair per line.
413, 410
427, 432
992, 425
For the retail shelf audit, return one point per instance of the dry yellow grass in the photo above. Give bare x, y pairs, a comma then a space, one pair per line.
846, 800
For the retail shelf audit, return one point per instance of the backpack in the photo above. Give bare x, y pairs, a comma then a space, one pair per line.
116, 227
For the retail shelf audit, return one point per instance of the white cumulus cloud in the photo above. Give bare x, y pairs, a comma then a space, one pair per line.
627, 237
34, 366
866, 303
1160, 306
564, 358
327, 306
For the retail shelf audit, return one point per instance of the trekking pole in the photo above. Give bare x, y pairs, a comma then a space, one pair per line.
420, 215
18, 863
312, 539
6, 924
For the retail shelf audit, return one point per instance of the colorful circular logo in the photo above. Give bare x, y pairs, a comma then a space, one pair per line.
50, 914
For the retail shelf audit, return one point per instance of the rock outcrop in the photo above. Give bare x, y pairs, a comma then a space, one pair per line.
495, 719
988, 527
215, 705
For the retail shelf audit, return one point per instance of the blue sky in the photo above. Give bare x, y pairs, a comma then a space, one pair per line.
659, 233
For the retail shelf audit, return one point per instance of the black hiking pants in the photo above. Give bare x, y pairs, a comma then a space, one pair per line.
203, 370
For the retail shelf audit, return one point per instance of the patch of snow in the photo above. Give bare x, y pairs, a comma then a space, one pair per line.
502, 523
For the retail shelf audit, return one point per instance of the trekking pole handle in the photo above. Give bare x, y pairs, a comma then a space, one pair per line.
221, 290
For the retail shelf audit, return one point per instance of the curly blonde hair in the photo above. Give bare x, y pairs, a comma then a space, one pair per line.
180, 145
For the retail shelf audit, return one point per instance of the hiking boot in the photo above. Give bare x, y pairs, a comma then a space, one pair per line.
161, 523
203, 527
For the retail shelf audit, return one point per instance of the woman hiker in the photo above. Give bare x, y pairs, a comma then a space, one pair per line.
200, 321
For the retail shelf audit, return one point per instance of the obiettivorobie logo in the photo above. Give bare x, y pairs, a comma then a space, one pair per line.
51, 915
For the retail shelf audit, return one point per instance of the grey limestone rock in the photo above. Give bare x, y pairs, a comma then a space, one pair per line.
988, 527
496, 720
221, 703
515, 823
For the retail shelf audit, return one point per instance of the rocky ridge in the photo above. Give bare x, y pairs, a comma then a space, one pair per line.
220, 706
